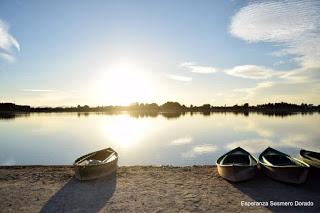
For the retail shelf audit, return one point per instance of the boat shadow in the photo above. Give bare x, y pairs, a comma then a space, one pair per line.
82, 196
265, 189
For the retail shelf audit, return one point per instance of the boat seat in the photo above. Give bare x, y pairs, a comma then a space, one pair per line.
240, 159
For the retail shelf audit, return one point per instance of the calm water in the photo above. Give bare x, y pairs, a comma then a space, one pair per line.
187, 140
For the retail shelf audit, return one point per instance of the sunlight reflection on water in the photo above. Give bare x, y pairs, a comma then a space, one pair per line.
51, 138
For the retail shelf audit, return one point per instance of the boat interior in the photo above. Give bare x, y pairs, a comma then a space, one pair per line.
239, 159
279, 160
313, 155
102, 156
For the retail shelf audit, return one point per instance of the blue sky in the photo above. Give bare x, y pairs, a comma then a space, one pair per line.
62, 53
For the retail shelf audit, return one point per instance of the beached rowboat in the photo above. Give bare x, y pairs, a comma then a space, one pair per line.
96, 164
311, 158
283, 167
237, 165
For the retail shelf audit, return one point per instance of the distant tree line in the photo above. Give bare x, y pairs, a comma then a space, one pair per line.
10, 107
170, 107
169, 110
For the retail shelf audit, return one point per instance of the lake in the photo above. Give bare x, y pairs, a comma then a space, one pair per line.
189, 139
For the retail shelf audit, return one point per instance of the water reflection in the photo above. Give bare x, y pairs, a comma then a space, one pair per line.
200, 150
181, 141
124, 131
12, 115
151, 138
251, 145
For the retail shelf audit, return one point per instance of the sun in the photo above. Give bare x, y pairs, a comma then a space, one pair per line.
125, 82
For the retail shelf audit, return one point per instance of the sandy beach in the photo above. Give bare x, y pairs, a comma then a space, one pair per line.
147, 189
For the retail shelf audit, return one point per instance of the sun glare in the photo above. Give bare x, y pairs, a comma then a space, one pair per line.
124, 83
124, 132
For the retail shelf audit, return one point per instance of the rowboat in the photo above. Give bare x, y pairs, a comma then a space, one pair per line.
237, 165
310, 157
96, 164
283, 167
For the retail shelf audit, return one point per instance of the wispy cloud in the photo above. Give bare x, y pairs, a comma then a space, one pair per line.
252, 91
302, 75
271, 91
204, 149
193, 67
50, 97
181, 141
7, 43
180, 78
251, 72
39, 90
295, 24
6, 57
243, 71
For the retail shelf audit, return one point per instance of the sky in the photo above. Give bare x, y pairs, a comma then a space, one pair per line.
116, 52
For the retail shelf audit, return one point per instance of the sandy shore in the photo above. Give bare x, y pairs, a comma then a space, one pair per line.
145, 189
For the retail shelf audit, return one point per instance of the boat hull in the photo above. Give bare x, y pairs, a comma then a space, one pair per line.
311, 162
237, 173
282, 167
314, 162
295, 175
237, 165
95, 172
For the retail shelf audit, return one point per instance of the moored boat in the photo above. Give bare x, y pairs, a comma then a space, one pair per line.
310, 157
283, 167
237, 165
96, 164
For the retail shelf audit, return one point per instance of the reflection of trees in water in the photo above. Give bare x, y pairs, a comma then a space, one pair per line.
284, 114
12, 115
172, 115
154, 114
85, 114
141, 114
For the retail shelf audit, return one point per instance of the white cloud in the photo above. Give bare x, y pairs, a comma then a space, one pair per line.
49, 97
193, 67
204, 149
271, 91
278, 63
252, 91
6, 57
7, 43
242, 71
295, 24
303, 75
38, 90
251, 71
180, 78
181, 141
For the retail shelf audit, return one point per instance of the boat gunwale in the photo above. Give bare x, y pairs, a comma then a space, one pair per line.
96, 165
304, 164
237, 165
75, 164
303, 155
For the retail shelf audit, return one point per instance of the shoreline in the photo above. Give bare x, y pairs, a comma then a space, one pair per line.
53, 188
